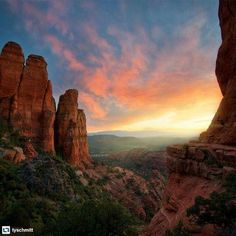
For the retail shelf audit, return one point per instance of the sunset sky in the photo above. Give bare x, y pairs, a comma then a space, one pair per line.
138, 64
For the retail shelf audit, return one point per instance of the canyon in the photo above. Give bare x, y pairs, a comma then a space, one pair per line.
196, 168
28, 110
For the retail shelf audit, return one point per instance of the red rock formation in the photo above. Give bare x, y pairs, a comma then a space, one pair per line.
223, 129
225, 63
14, 155
70, 130
11, 67
83, 140
27, 105
29, 150
26, 101
195, 170
180, 193
48, 118
33, 107
141, 196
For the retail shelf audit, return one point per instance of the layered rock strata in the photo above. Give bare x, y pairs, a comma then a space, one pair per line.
196, 169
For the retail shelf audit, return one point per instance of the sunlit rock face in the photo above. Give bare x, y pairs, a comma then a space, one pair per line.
70, 130
33, 110
26, 101
11, 68
27, 105
223, 127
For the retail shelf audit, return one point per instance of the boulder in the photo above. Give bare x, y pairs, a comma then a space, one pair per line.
14, 155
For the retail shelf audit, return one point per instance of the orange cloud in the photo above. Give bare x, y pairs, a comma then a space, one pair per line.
181, 78
95, 109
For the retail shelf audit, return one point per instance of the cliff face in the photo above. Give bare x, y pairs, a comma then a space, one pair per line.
27, 105
198, 168
223, 129
33, 108
26, 101
70, 130
141, 196
11, 68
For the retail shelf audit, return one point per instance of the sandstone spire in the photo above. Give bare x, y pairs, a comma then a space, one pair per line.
70, 130
11, 68
26, 102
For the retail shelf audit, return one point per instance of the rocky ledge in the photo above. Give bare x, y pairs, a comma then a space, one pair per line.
210, 161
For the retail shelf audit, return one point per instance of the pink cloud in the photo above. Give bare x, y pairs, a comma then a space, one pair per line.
66, 54
134, 83
96, 110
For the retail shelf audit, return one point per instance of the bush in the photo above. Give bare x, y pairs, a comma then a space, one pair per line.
95, 218
103, 180
179, 230
219, 209
19, 206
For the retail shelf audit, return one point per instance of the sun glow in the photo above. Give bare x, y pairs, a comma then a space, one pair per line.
150, 124
168, 124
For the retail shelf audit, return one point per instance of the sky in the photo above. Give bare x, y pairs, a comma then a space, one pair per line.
139, 65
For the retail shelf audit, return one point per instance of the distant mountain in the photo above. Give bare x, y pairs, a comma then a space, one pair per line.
141, 134
108, 144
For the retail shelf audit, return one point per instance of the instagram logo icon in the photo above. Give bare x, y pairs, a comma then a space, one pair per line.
6, 229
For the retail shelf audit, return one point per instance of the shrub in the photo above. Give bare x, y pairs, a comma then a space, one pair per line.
95, 218
103, 180
120, 175
179, 230
219, 209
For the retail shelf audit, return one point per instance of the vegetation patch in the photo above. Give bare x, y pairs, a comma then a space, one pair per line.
46, 194
179, 230
219, 209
